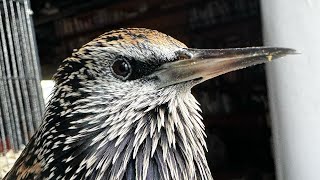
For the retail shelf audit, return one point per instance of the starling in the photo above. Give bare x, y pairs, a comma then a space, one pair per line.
122, 108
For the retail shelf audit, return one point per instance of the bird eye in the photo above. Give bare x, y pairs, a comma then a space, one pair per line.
121, 69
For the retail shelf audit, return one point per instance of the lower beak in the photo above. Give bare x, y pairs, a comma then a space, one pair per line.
204, 64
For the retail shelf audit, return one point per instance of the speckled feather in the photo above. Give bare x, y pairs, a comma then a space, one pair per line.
99, 127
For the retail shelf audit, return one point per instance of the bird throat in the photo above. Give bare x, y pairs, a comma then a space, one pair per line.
162, 139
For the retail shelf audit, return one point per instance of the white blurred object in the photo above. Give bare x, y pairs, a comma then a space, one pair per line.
6, 161
47, 87
294, 88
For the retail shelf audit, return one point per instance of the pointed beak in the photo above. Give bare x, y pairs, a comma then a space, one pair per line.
203, 64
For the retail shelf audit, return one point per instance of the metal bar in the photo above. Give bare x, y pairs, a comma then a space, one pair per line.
7, 86
28, 70
35, 57
3, 135
18, 77
36, 89
24, 93
21, 101
14, 122
4, 116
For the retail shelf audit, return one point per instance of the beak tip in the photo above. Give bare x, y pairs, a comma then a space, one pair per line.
281, 52
293, 51
289, 51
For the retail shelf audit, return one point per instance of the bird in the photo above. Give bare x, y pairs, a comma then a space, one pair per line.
122, 108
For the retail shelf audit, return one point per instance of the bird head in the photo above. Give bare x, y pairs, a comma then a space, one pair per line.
122, 107
143, 61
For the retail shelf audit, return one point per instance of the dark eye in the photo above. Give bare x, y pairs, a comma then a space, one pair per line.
121, 69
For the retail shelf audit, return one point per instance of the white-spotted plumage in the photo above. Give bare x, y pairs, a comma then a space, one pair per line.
97, 126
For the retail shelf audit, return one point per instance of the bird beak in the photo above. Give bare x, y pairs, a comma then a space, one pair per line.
204, 64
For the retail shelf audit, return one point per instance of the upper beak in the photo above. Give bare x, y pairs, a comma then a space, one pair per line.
204, 64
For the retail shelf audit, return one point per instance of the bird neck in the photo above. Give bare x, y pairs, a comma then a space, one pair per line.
142, 139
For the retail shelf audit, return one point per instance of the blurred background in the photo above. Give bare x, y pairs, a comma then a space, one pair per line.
235, 106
